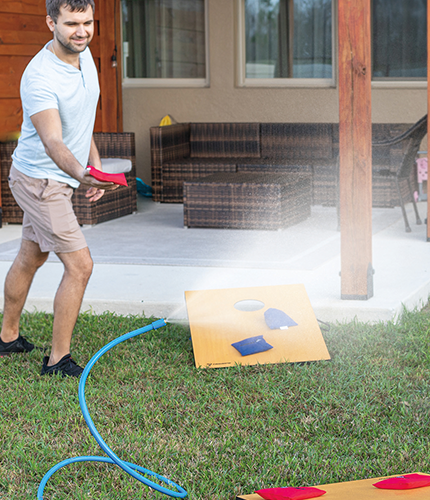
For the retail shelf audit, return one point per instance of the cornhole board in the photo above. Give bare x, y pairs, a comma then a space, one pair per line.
362, 490
216, 323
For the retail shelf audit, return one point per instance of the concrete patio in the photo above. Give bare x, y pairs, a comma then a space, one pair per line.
145, 262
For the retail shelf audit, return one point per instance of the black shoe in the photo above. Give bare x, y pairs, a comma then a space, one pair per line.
66, 367
16, 346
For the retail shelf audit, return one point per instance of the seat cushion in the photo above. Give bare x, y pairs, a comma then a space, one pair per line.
116, 165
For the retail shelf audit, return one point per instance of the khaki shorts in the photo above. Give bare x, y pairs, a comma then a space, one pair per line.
49, 219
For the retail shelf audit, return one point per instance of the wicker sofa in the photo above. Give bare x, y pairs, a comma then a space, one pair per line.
113, 204
189, 151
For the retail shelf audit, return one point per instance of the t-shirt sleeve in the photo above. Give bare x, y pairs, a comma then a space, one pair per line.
37, 95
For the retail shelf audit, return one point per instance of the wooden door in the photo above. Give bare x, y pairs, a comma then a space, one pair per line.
23, 32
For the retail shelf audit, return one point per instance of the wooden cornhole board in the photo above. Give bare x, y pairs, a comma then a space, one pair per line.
216, 323
361, 490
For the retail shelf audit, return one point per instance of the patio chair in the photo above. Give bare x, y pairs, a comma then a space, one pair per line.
113, 204
121, 201
11, 212
409, 142
393, 160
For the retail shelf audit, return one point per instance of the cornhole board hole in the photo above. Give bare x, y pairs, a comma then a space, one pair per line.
361, 490
219, 318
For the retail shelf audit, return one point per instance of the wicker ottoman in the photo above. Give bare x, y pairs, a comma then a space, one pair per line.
247, 201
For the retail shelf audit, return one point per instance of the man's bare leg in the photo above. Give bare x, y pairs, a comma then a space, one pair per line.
78, 267
17, 286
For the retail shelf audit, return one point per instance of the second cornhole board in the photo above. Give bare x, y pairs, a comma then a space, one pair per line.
216, 323
361, 490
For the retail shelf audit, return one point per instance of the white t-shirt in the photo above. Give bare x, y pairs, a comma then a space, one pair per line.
49, 83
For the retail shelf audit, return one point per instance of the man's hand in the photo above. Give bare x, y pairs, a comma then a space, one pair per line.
98, 188
87, 179
94, 194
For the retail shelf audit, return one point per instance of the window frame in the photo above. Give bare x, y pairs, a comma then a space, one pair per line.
387, 82
170, 82
242, 81
399, 84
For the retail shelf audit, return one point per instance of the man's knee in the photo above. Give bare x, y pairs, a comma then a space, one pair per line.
84, 268
31, 265
29, 257
87, 268
78, 264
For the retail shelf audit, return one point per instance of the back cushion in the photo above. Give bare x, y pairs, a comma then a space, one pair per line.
225, 140
389, 157
297, 140
387, 131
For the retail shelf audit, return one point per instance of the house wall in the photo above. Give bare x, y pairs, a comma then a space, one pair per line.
224, 101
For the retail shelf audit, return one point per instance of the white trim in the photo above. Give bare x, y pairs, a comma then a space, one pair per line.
207, 79
128, 83
172, 82
289, 82
239, 43
242, 81
399, 84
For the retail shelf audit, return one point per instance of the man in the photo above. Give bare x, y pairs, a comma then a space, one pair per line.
59, 93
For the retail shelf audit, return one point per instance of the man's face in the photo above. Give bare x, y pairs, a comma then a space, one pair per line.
74, 30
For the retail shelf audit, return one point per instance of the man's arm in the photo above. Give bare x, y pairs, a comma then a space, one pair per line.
94, 193
48, 125
94, 158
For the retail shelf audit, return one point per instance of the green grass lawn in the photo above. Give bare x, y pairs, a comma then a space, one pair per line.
222, 432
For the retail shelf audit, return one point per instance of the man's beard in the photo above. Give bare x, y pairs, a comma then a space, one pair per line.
69, 46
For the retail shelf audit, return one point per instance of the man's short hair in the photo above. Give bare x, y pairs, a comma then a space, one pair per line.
53, 6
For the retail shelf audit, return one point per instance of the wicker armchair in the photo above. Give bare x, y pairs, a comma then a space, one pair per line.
405, 174
10, 209
121, 201
113, 204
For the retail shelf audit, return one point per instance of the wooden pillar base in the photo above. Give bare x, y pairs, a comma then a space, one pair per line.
369, 288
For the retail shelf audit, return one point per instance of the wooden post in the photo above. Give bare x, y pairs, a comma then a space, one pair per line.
355, 149
428, 108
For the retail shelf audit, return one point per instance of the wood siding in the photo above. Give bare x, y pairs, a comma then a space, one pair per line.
23, 32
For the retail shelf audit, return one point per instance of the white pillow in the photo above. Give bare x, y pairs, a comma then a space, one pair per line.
116, 165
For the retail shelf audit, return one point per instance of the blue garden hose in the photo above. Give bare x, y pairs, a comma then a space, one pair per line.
131, 469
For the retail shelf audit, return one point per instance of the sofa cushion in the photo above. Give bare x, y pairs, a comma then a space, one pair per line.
297, 140
225, 140
269, 166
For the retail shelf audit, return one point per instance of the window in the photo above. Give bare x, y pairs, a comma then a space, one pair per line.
164, 40
399, 39
287, 40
